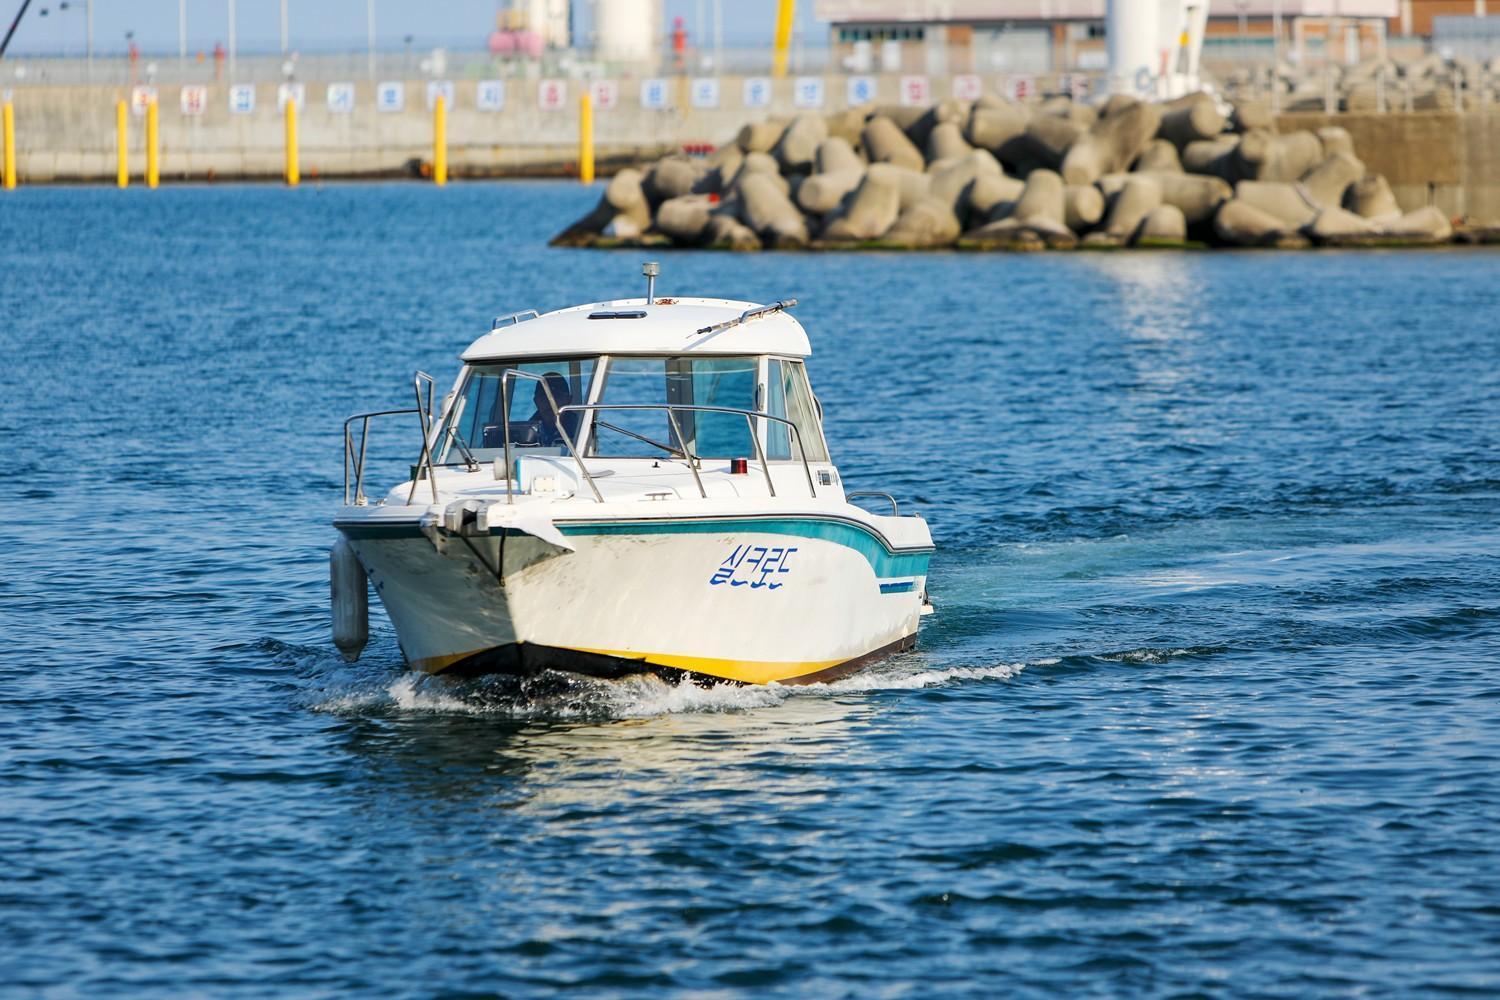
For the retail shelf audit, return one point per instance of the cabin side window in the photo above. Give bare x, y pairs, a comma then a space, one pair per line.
789, 396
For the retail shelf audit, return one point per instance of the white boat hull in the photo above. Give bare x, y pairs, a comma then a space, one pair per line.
748, 598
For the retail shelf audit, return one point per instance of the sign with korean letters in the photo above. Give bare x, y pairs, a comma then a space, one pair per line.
552, 94
759, 567
967, 87
390, 96
655, 94
606, 94
807, 92
916, 92
489, 95
193, 100
340, 98
242, 99
290, 92
439, 88
140, 99
860, 91
705, 92
757, 92
1018, 88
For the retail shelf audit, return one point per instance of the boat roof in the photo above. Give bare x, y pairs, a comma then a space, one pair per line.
668, 326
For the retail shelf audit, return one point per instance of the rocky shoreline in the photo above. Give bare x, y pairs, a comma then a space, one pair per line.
1054, 174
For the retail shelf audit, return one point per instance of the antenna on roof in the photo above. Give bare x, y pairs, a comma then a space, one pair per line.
650, 269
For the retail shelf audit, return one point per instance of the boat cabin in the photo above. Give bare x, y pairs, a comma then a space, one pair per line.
720, 381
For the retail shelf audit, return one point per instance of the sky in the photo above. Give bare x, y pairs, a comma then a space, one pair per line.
333, 25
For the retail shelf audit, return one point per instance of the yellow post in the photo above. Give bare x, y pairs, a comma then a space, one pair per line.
440, 141
8, 114
586, 138
153, 156
122, 145
293, 172
786, 11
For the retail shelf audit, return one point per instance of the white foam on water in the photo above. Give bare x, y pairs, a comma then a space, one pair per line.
561, 696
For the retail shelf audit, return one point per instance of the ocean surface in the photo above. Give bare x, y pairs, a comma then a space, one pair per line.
1210, 705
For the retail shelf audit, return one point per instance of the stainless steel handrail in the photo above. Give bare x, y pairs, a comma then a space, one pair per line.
895, 507
357, 463
355, 460
749, 415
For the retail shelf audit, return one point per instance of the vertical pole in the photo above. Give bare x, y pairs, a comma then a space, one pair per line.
370, 32
586, 138
122, 145
181, 36
153, 160
440, 141
8, 126
293, 172
786, 11
231, 41
718, 38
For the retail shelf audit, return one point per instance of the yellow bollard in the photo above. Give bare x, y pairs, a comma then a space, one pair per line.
785, 14
8, 115
153, 155
586, 138
440, 141
293, 172
122, 145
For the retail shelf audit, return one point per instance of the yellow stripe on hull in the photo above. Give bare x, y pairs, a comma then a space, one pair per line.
743, 671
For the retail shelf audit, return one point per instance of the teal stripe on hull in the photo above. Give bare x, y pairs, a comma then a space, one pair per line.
884, 561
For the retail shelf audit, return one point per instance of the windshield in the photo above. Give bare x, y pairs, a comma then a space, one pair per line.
687, 381
477, 418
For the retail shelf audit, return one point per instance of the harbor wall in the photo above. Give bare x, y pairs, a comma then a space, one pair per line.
66, 134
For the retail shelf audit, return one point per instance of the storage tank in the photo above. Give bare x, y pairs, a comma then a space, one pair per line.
628, 31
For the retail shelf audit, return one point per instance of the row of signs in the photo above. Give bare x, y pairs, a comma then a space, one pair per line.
655, 94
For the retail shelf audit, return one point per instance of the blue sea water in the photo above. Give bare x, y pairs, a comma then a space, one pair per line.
1210, 705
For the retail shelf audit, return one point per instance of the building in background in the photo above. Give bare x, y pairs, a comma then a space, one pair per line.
628, 31
551, 21
1038, 36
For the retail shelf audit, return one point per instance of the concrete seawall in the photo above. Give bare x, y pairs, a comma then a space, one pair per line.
67, 135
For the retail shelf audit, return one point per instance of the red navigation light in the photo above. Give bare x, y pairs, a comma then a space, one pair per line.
739, 466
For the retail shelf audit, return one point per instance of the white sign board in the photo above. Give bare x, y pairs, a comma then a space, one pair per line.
1018, 88
605, 93
967, 87
140, 98
807, 92
340, 98
860, 91
916, 92
193, 101
704, 92
655, 94
489, 95
551, 95
439, 88
390, 95
290, 92
757, 92
242, 99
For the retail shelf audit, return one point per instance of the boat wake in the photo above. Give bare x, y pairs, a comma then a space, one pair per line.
338, 688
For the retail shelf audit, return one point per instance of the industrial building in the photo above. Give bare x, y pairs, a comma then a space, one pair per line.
1039, 36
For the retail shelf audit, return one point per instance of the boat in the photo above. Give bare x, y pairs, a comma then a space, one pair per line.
641, 484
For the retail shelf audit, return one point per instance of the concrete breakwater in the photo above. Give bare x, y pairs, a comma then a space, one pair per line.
1061, 174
